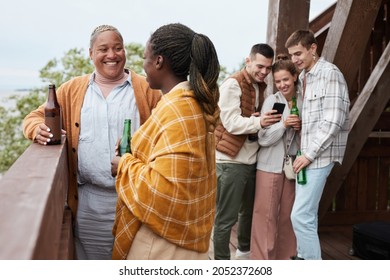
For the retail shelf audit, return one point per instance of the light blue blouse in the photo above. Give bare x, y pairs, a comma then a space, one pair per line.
102, 121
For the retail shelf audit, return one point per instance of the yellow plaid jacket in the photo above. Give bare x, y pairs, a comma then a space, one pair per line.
168, 183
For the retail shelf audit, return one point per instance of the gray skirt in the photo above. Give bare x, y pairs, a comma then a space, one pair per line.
94, 221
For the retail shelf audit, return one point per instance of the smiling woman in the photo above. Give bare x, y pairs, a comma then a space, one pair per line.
107, 52
95, 104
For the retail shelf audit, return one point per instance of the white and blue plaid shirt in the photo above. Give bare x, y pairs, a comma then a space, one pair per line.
325, 114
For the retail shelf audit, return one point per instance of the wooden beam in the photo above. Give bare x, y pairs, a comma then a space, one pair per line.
343, 218
379, 134
323, 20
348, 35
364, 114
284, 17
320, 26
281, 24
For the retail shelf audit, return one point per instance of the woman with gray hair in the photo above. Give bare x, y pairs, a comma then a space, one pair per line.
94, 107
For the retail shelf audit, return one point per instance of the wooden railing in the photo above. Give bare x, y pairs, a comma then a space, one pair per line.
35, 222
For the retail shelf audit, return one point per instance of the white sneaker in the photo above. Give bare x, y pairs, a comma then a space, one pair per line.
242, 255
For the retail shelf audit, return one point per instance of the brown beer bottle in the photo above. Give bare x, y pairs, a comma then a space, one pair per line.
53, 116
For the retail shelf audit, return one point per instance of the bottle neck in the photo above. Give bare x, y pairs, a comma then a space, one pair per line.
294, 101
127, 128
52, 97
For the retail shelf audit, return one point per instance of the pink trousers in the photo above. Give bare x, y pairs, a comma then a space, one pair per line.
272, 235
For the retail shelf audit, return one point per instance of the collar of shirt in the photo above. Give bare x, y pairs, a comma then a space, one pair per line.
92, 78
313, 71
183, 85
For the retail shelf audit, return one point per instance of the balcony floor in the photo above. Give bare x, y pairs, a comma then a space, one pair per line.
336, 242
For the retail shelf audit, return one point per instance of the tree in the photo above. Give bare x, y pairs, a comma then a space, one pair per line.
74, 63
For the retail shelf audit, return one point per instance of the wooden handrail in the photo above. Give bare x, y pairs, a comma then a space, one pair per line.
34, 220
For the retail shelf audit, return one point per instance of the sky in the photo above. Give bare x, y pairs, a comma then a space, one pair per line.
32, 32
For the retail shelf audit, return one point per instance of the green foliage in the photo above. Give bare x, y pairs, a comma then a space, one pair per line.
74, 63
57, 71
13, 142
134, 57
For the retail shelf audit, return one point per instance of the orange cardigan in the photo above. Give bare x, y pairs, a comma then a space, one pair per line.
70, 96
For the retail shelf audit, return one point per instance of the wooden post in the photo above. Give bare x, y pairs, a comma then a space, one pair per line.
284, 17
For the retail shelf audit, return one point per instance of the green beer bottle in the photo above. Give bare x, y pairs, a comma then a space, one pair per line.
124, 145
294, 109
301, 176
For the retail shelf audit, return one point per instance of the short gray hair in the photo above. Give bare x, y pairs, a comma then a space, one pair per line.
100, 29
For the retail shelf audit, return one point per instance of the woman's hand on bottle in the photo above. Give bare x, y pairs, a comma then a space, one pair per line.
44, 135
118, 142
293, 121
114, 165
115, 160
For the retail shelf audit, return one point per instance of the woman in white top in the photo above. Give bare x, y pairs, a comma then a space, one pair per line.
272, 235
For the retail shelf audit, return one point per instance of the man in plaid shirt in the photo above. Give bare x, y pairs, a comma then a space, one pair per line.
324, 135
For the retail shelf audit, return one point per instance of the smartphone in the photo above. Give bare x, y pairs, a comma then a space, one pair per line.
279, 107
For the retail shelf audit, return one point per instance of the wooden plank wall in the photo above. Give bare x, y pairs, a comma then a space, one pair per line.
364, 194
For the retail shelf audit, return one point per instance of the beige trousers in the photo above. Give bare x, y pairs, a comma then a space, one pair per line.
149, 246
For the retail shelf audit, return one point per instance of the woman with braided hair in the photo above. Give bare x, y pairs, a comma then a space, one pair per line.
167, 186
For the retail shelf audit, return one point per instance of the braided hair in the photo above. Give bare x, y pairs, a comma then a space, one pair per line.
191, 54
